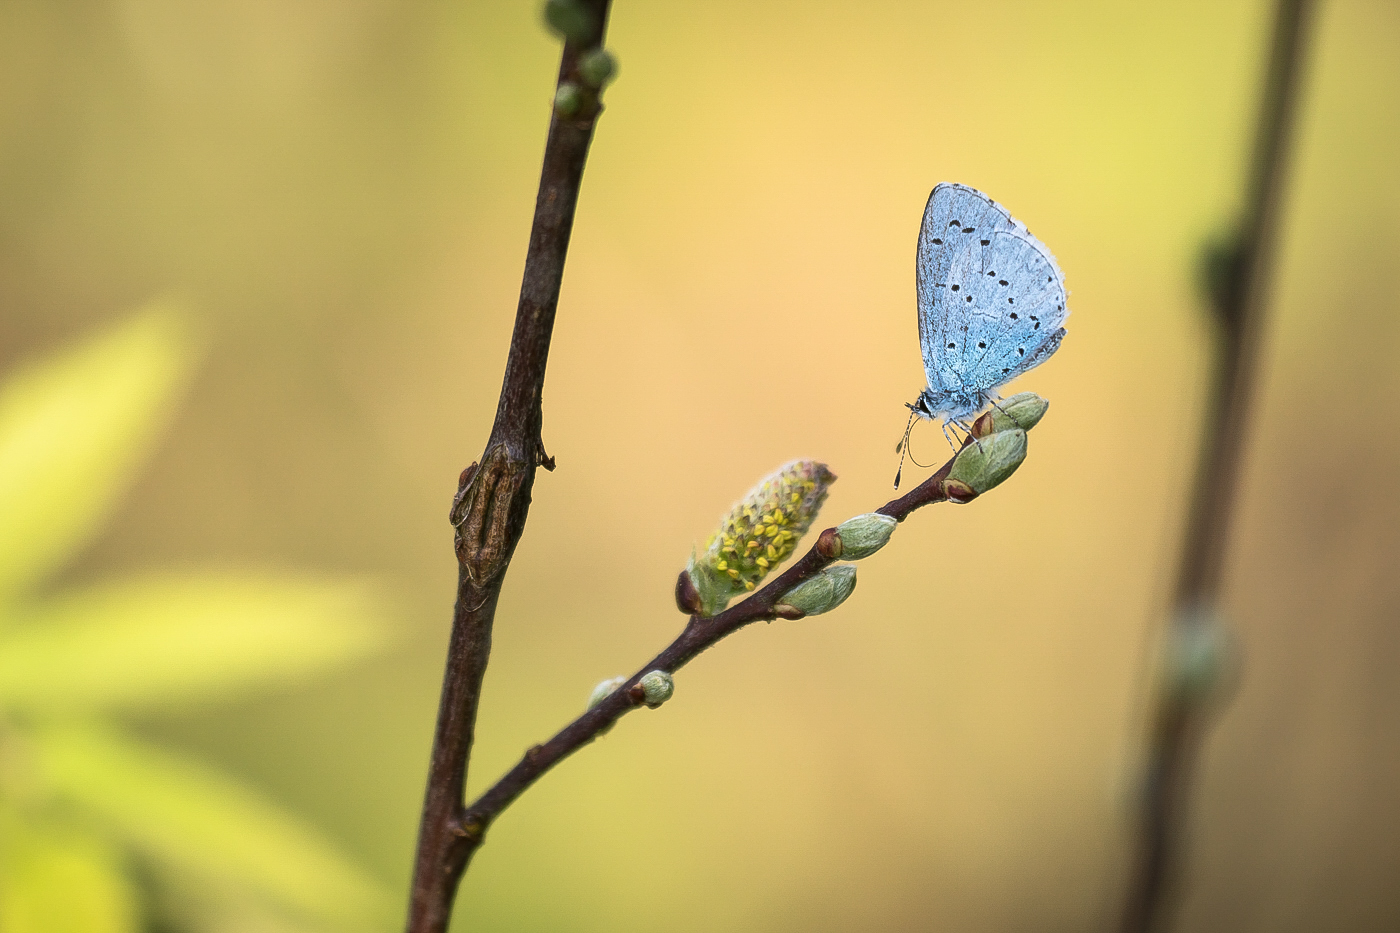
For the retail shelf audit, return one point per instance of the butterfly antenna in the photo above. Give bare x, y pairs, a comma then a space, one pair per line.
903, 446
914, 460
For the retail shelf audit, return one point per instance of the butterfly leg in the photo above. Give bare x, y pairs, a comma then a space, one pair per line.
947, 437
967, 429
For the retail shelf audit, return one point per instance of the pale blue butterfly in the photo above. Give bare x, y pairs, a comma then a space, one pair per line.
991, 303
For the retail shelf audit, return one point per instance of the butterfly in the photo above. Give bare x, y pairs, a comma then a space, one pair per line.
991, 304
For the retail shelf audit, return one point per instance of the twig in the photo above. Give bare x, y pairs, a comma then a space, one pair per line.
494, 498
1178, 723
700, 633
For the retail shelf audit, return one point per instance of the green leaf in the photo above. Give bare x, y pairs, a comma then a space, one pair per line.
160, 639
73, 430
195, 819
56, 880
195, 904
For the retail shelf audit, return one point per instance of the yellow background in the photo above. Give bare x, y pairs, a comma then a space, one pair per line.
340, 194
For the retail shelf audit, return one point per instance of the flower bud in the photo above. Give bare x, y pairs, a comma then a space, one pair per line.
569, 20
604, 690
759, 533
864, 535
821, 593
984, 463
597, 68
1023, 411
568, 100
657, 687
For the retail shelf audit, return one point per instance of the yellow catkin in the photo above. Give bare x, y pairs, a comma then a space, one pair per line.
760, 532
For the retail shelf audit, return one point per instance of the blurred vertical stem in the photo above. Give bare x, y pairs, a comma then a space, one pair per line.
494, 498
1238, 296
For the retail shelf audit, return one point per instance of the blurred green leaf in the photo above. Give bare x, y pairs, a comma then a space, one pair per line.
196, 904
56, 880
191, 816
160, 639
73, 429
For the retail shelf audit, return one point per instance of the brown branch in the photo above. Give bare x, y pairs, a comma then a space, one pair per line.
1177, 724
700, 633
494, 498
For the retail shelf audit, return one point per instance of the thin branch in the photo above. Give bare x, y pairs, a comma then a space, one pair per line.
494, 498
700, 633
1177, 724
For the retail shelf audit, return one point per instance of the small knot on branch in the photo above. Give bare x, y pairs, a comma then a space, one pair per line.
482, 513
543, 459
468, 827
455, 514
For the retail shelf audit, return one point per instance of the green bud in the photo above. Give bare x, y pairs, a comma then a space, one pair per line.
985, 463
1198, 650
657, 688
822, 593
864, 535
1022, 411
759, 533
569, 20
1220, 270
597, 68
604, 690
568, 100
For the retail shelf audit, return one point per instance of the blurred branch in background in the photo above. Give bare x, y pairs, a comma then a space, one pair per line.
493, 498
99, 830
1237, 274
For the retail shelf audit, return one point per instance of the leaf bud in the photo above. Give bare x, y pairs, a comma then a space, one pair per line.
759, 533
985, 463
1023, 411
864, 535
604, 690
597, 68
568, 100
1198, 652
569, 19
821, 593
657, 688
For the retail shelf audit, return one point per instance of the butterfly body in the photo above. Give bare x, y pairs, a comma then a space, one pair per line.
991, 302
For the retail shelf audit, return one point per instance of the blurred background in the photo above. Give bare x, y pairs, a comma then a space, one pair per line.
335, 199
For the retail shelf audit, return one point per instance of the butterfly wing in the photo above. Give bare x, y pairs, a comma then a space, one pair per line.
958, 222
991, 297
1016, 299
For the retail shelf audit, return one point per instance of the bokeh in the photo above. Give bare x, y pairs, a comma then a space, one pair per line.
339, 196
